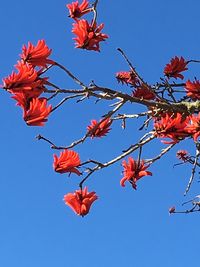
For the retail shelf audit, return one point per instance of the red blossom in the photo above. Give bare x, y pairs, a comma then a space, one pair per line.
193, 89
80, 201
26, 79
182, 155
194, 127
127, 77
37, 55
37, 113
101, 130
171, 126
144, 92
77, 10
133, 171
22, 100
68, 161
175, 66
88, 35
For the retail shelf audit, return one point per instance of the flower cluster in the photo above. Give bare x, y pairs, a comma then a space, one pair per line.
77, 10
128, 78
68, 161
177, 127
142, 91
26, 84
175, 67
99, 129
133, 171
193, 89
171, 126
80, 201
88, 35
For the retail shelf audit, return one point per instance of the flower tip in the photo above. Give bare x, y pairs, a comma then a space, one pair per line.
172, 210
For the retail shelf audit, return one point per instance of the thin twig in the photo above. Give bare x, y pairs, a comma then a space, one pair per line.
64, 100
95, 13
131, 66
81, 140
193, 170
163, 152
70, 75
40, 137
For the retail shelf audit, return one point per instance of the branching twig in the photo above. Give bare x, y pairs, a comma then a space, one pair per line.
195, 208
100, 166
70, 75
65, 99
81, 140
131, 67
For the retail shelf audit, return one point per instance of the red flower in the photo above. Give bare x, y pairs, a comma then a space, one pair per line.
194, 126
133, 171
127, 77
193, 89
80, 201
67, 162
171, 126
37, 55
174, 68
25, 79
22, 100
182, 155
101, 130
77, 10
88, 35
37, 113
144, 92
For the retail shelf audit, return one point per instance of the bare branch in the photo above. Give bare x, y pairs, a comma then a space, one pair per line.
163, 152
131, 116
100, 166
81, 140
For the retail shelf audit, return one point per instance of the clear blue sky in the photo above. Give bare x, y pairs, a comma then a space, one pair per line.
125, 227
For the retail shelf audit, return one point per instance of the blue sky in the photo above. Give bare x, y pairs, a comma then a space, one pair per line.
125, 227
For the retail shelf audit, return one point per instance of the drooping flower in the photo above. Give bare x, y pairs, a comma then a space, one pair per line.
37, 113
80, 201
194, 127
88, 35
144, 92
101, 130
133, 171
37, 55
127, 77
25, 79
171, 126
68, 161
193, 89
175, 67
77, 10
